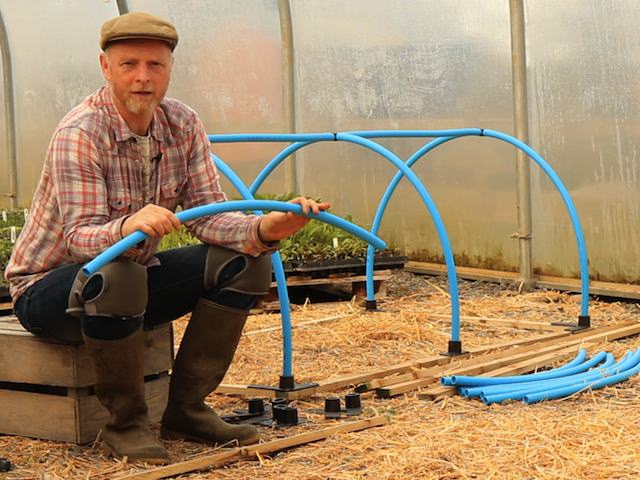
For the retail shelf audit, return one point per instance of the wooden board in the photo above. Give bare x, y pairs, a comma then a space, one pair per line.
67, 418
611, 289
25, 358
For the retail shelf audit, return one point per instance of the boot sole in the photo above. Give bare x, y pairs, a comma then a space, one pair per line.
109, 452
167, 434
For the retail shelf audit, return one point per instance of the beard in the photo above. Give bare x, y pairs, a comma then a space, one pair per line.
140, 107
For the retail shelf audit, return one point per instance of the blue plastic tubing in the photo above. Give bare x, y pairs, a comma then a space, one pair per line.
278, 271
570, 381
306, 139
464, 381
519, 391
136, 237
447, 135
609, 379
444, 136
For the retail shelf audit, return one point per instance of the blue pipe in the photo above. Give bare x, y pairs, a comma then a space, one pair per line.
382, 207
278, 271
471, 392
516, 391
277, 160
521, 390
437, 220
136, 237
455, 132
575, 221
570, 390
606, 358
271, 137
465, 381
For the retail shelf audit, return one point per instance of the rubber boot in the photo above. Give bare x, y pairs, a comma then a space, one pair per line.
205, 353
119, 371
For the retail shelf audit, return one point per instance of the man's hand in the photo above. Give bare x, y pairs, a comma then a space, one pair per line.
153, 220
278, 225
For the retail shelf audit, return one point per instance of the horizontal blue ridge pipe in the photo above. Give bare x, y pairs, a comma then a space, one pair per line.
570, 390
454, 132
520, 390
566, 198
465, 381
435, 215
271, 137
278, 272
136, 237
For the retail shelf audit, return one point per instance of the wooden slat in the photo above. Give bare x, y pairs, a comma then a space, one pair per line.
294, 281
503, 322
217, 459
25, 358
610, 289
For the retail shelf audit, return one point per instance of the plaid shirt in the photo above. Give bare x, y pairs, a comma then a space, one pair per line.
92, 180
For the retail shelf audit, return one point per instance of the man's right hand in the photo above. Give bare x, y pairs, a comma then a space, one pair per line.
153, 220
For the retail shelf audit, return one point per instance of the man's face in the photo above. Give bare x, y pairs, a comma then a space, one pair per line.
138, 72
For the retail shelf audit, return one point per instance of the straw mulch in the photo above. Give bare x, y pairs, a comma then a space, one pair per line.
593, 435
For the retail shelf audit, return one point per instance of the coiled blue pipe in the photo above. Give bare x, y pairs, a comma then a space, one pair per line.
600, 383
556, 383
136, 237
519, 391
461, 380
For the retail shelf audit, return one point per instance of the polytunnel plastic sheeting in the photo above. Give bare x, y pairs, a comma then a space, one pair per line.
427, 64
54, 51
583, 116
228, 68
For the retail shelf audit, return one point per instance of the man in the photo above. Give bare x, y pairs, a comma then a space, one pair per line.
122, 161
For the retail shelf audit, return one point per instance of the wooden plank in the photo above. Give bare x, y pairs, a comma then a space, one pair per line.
217, 459
67, 418
305, 281
503, 322
297, 325
25, 358
610, 289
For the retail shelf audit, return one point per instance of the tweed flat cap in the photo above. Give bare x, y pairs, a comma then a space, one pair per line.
135, 25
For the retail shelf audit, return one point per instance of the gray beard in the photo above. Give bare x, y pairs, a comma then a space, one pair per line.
140, 107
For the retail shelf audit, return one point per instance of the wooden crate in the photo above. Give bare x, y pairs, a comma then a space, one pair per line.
46, 387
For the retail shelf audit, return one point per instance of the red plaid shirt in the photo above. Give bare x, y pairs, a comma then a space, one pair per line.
92, 180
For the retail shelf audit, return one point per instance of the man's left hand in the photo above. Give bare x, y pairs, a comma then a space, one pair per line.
278, 225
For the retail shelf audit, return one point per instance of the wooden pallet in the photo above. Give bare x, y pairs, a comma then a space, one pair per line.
346, 283
46, 387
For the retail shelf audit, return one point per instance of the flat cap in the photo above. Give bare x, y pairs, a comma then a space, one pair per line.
136, 25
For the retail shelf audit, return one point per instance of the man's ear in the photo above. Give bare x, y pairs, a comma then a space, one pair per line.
104, 66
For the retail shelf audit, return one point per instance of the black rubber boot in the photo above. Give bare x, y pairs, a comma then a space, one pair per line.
205, 354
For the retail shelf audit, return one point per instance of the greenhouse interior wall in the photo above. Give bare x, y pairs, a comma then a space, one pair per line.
375, 64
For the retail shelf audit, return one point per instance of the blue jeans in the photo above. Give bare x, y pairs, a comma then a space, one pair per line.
174, 288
